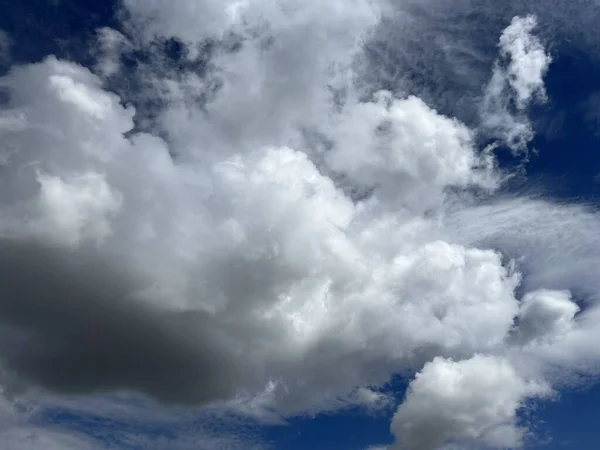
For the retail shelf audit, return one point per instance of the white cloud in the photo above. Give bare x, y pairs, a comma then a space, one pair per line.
18, 432
111, 45
78, 209
235, 264
513, 130
286, 58
190, 20
262, 244
515, 84
546, 314
555, 246
541, 236
407, 150
528, 60
474, 399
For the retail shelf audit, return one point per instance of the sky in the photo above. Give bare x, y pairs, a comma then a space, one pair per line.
296, 224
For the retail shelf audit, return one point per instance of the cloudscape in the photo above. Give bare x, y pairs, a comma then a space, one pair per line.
286, 224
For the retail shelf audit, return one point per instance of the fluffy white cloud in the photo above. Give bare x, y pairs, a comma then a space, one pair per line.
270, 75
78, 209
546, 314
261, 245
286, 242
408, 151
554, 245
471, 399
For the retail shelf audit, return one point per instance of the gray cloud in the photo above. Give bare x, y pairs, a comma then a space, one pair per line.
71, 325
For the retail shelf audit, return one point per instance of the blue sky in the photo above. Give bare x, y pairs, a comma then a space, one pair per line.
238, 241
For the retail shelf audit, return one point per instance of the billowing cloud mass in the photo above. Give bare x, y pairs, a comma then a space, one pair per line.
472, 399
264, 229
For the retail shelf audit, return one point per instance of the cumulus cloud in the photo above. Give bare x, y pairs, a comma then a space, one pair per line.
454, 401
271, 71
263, 255
408, 151
277, 240
546, 313
78, 209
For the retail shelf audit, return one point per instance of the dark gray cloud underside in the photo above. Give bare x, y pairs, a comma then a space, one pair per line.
70, 325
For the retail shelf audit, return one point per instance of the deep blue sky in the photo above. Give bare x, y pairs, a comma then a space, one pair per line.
566, 165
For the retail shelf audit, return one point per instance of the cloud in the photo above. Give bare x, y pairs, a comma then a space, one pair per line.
471, 399
255, 263
193, 21
517, 82
111, 46
444, 53
247, 90
83, 333
278, 238
27, 438
528, 60
116, 421
19, 432
540, 235
406, 149
78, 209
546, 313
